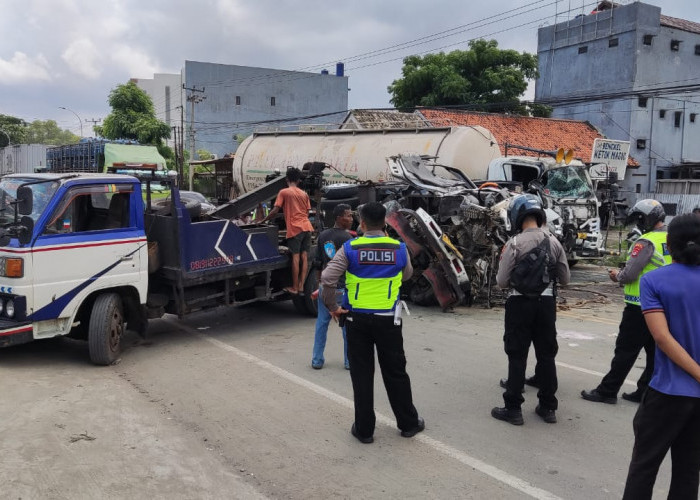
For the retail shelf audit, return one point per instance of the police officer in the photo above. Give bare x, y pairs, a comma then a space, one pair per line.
530, 318
374, 266
648, 252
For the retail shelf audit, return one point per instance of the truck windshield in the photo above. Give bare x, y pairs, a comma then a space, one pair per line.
42, 193
569, 182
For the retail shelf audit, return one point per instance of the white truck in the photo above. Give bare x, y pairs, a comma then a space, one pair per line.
361, 155
565, 187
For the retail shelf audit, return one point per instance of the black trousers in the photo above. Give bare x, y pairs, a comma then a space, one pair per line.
531, 321
662, 422
633, 335
364, 332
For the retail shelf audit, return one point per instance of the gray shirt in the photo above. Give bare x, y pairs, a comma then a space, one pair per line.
638, 258
522, 243
339, 264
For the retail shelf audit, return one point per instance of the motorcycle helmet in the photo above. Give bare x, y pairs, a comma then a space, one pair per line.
522, 206
645, 214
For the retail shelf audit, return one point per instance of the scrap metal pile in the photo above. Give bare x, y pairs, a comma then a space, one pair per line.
454, 230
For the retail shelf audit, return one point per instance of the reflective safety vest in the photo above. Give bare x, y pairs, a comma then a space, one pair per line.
660, 258
373, 276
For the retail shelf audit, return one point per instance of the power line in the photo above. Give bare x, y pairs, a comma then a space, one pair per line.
411, 43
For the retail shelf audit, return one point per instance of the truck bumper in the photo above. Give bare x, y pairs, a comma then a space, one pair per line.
14, 333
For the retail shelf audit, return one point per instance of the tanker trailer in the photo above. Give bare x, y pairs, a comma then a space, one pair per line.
359, 155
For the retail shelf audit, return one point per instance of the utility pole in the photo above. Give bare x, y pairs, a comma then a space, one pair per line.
178, 157
179, 146
94, 122
193, 98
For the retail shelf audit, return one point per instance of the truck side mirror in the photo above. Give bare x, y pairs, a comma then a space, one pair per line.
535, 186
25, 200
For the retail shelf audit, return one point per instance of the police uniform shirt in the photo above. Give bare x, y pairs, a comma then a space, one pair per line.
336, 268
640, 255
522, 243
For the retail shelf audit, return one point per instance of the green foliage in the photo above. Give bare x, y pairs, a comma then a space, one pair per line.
48, 132
484, 77
203, 154
133, 117
14, 130
539, 110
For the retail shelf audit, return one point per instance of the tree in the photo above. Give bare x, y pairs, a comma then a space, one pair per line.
48, 132
133, 117
14, 130
484, 77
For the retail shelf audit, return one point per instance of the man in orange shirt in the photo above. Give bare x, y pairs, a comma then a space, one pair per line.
295, 205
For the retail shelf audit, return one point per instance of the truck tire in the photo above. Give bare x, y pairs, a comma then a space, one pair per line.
327, 207
340, 191
164, 207
329, 204
106, 329
304, 303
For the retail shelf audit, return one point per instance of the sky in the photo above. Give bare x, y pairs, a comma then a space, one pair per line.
71, 53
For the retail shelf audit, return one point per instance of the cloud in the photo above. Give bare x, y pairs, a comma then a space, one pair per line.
135, 62
22, 69
83, 58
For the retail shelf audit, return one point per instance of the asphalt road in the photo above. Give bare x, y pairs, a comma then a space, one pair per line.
225, 404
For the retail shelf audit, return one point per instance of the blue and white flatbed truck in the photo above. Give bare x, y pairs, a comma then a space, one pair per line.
84, 255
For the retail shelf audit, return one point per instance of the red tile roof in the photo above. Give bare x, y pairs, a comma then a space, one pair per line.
681, 24
548, 134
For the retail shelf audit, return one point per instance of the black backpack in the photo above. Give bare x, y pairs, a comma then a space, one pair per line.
532, 274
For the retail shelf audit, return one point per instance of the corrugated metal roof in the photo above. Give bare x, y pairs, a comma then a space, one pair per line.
548, 134
383, 119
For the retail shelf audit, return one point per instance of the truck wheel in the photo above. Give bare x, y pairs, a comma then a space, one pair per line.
106, 329
340, 191
164, 207
304, 303
329, 204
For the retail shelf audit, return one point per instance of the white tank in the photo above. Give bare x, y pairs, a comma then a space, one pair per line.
360, 154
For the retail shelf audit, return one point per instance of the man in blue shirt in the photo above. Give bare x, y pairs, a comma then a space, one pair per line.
669, 413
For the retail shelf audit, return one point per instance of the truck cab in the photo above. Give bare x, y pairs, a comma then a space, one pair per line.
565, 188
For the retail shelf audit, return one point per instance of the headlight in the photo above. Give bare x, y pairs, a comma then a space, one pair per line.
2, 305
10, 308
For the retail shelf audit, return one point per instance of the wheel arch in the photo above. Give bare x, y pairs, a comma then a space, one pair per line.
134, 315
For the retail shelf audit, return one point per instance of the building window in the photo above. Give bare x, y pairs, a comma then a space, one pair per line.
613, 42
675, 45
272, 101
637, 188
583, 50
692, 117
677, 116
670, 208
646, 39
697, 50
641, 143
238, 100
662, 113
642, 101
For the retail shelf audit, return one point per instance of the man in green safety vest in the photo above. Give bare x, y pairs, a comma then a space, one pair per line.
374, 267
649, 252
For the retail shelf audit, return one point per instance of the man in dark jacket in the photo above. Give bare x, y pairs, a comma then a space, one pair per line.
530, 318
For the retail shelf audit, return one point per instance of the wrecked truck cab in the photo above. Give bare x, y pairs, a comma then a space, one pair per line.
453, 229
566, 189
